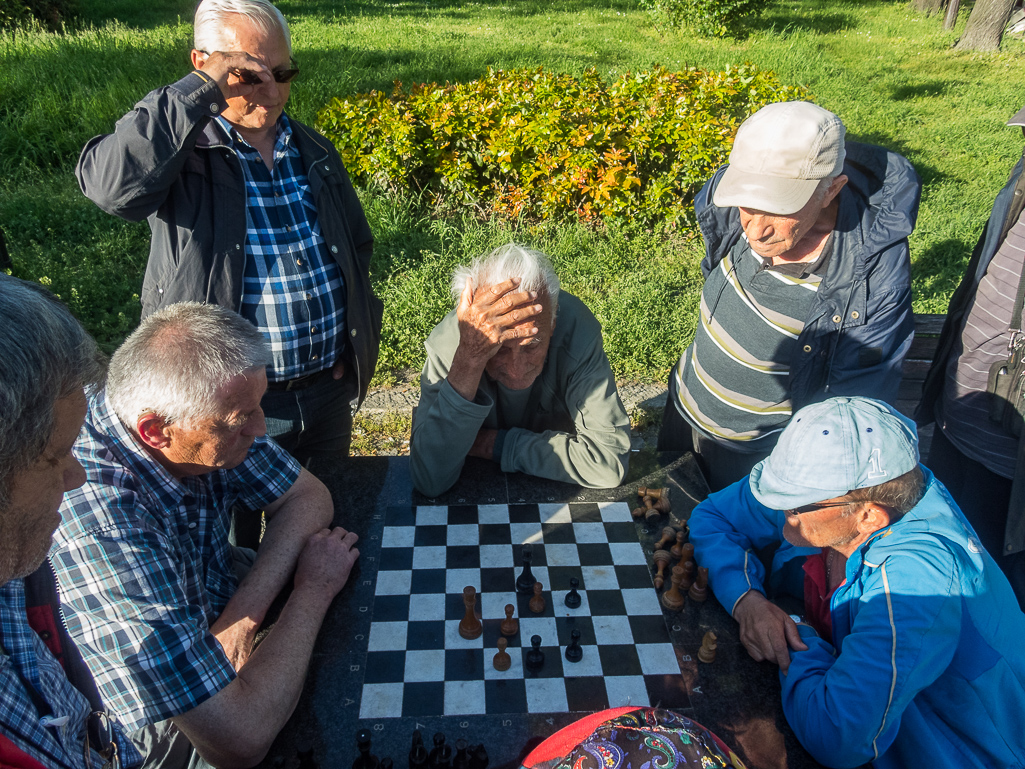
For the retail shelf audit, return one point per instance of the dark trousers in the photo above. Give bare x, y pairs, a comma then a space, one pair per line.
983, 497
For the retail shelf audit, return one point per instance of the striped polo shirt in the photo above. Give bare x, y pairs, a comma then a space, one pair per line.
963, 412
732, 382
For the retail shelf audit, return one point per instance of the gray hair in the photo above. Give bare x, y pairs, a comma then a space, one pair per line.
212, 21
46, 355
532, 267
174, 362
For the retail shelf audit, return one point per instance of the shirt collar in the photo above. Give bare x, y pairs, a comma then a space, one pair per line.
282, 142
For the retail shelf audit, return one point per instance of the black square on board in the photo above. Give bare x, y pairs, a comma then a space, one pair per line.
584, 512
425, 536
594, 554
649, 629
423, 699
566, 625
426, 635
668, 690
524, 514
399, 516
426, 581
462, 557
621, 531
462, 514
385, 667
553, 660
455, 608
586, 694
557, 533
605, 603
560, 576
497, 580
619, 660
495, 534
391, 608
396, 559
464, 664
507, 695
634, 577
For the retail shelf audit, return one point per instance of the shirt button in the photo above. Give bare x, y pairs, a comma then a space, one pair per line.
855, 315
334, 249
807, 348
45, 635
215, 107
309, 295
837, 319
313, 329
352, 333
192, 525
327, 168
313, 357
299, 262
238, 246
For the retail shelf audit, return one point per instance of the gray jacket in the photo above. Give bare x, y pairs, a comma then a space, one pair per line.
169, 162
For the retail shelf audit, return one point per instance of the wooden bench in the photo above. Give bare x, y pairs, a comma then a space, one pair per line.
916, 365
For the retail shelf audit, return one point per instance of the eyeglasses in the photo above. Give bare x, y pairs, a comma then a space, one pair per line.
251, 77
818, 506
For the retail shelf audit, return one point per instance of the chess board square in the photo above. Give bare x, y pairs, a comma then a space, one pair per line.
495, 534
425, 665
462, 515
391, 608
496, 556
598, 577
641, 601
588, 665
457, 579
523, 605
426, 635
658, 659
638, 576
497, 581
524, 514
427, 608
515, 663
464, 664
546, 695
429, 581
619, 660
492, 632
557, 533
554, 514
381, 700
670, 691
627, 553
584, 512
505, 695
615, 511
397, 536
384, 667
430, 535
540, 575
594, 554
428, 557
649, 629
609, 631
399, 516
618, 531
388, 636
533, 624
493, 603
561, 555
423, 699
393, 582
463, 534
589, 532
464, 698
603, 602
455, 641
529, 531
566, 625
626, 690
487, 514
431, 515
463, 557
586, 694
396, 559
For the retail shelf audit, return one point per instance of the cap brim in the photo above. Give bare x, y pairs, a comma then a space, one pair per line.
777, 494
772, 194
1018, 118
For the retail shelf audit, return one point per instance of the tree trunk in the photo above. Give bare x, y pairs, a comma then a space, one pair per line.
951, 18
986, 25
929, 7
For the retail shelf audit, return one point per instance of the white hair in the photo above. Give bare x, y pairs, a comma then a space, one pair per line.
512, 260
173, 364
211, 22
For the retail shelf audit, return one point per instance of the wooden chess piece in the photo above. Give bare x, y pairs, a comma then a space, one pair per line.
637, 512
672, 599
668, 535
708, 646
502, 660
677, 549
688, 576
651, 513
662, 503
441, 754
654, 494
470, 627
509, 626
537, 603
662, 559
686, 553
462, 757
699, 590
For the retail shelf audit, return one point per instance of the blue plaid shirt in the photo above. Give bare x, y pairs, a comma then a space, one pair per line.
56, 738
292, 290
145, 567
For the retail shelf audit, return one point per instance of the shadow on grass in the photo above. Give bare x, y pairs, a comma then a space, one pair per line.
939, 268
931, 88
929, 174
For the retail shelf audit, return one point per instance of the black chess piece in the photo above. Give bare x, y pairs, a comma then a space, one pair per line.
573, 597
462, 758
304, 754
365, 760
440, 756
535, 658
525, 582
573, 652
479, 757
418, 753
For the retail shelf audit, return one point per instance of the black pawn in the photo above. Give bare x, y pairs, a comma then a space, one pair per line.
573, 652
525, 582
573, 597
365, 760
535, 658
418, 753
462, 759
440, 756
479, 757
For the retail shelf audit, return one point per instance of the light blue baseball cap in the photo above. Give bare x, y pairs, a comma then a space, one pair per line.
833, 447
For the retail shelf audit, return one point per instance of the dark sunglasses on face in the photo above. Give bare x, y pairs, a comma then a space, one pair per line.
818, 506
250, 77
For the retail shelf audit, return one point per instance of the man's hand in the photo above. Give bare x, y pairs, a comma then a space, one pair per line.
338, 371
767, 631
484, 444
326, 561
220, 64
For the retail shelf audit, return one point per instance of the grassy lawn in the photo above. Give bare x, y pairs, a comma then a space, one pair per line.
887, 71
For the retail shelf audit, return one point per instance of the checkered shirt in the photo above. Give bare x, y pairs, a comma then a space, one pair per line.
293, 291
25, 661
145, 567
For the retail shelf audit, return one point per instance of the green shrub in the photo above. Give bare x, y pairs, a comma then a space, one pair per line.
538, 145
52, 14
709, 18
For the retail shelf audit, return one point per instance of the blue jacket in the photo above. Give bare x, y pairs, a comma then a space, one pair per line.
930, 670
861, 324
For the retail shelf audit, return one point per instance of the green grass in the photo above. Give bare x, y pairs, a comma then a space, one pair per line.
888, 72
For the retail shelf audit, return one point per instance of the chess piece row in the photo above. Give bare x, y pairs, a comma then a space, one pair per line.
470, 626
655, 503
441, 756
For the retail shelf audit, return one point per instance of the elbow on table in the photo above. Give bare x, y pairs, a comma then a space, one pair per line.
429, 481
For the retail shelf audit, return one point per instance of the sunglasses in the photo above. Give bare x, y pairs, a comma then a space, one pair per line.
251, 77
818, 506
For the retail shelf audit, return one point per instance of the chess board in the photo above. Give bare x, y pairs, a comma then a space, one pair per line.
418, 666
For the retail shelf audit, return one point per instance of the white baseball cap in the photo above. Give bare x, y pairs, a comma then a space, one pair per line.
780, 155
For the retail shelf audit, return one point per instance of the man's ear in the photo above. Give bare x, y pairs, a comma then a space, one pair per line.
872, 518
198, 59
834, 189
153, 431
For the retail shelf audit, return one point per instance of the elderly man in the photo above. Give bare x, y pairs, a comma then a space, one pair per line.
149, 582
48, 702
517, 374
807, 286
911, 655
252, 210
